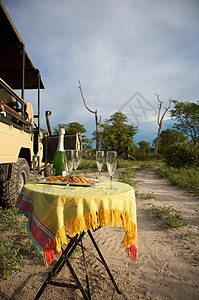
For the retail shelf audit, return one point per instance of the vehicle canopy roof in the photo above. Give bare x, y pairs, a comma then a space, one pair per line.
11, 56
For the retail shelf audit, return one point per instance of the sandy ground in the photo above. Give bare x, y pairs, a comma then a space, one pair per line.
168, 262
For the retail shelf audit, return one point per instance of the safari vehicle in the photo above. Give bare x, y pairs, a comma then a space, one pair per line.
24, 147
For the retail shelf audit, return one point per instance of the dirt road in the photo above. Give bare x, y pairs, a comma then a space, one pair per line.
168, 262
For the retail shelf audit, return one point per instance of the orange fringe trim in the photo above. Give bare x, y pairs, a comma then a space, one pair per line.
93, 220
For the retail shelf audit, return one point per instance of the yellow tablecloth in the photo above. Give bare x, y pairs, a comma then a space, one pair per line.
55, 212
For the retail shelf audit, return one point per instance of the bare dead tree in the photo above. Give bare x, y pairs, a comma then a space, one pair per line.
97, 121
160, 121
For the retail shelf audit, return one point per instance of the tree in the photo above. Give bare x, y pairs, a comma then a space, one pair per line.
160, 121
170, 137
94, 134
70, 128
145, 147
117, 134
186, 115
97, 121
88, 148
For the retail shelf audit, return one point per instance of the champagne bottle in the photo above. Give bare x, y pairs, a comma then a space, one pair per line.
59, 161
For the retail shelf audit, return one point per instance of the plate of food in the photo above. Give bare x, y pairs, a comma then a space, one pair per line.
62, 180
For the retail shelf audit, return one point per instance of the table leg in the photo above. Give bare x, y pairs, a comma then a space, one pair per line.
85, 265
64, 259
104, 262
76, 278
59, 265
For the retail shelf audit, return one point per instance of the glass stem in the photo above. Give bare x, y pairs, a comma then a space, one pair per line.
99, 175
68, 181
111, 185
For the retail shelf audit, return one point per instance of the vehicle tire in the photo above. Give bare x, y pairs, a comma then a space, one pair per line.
47, 171
22, 175
11, 187
8, 194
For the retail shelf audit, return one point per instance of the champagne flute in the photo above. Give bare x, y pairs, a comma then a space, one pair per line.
111, 162
100, 161
77, 159
69, 165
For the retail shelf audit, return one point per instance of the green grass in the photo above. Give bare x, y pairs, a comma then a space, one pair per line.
12, 221
170, 217
188, 235
152, 163
12, 230
89, 165
147, 195
187, 178
126, 176
10, 257
12, 225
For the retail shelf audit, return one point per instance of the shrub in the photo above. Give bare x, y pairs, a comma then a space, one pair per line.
171, 218
183, 155
187, 178
88, 165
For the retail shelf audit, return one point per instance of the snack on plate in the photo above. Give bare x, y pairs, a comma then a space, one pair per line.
57, 178
81, 179
75, 179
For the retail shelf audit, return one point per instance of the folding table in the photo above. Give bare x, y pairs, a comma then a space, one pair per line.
58, 217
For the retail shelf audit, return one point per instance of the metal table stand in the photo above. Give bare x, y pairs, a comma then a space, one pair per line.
64, 259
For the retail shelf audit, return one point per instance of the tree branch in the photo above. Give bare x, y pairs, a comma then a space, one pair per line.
159, 108
97, 122
160, 121
92, 111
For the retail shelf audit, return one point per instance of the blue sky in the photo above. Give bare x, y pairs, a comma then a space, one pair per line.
122, 51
